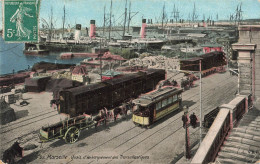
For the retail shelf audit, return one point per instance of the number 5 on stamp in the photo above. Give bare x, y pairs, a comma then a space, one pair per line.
21, 20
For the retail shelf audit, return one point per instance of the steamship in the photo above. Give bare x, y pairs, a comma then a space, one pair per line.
70, 42
142, 41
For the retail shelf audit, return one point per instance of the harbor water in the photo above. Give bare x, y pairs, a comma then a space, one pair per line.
12, 58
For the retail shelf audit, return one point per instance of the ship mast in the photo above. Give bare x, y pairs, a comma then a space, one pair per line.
110, 19
175, 14
63, 23
104, 24
129, 17
163, 14
125, 18
194, 15
240, 14
50, 32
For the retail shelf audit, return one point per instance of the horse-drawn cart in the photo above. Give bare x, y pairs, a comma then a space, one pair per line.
69, 130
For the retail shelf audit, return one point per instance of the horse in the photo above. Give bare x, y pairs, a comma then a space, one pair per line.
123, 109
117, 111
129, 106
55, 102
101, 117
14, 151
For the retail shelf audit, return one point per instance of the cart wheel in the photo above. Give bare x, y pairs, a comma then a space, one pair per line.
72, 135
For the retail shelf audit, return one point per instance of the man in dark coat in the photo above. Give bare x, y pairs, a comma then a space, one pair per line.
193, 120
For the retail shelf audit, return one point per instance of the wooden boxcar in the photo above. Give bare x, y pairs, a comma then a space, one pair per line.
153, 106
208, 61
110, 93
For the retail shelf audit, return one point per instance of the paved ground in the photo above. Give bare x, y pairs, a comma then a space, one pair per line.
120, 142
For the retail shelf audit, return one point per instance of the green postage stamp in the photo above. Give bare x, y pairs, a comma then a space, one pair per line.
20, 20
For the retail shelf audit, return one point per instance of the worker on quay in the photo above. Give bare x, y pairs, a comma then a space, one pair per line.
193, 120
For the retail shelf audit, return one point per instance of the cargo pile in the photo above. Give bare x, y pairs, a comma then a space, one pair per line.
158, 62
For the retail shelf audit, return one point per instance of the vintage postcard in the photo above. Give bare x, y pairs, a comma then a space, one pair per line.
129, 81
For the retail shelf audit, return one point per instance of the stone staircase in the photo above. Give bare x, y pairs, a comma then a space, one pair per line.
243, 144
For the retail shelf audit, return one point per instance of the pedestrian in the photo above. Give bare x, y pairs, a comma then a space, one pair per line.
193, 120
184, 120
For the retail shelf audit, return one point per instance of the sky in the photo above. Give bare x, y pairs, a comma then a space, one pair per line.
82, 11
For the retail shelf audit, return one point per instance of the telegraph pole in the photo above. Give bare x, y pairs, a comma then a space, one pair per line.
200, 105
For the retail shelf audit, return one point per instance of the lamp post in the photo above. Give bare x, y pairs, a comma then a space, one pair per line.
100, 62
186, 50
185, 120
200, 104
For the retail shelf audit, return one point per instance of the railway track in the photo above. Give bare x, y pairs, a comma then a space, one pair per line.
178, 120
173, 130
193, 108
28, 119
10, 129
192, 97
138, 127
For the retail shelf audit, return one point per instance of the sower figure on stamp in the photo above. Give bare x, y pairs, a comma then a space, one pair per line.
18, 17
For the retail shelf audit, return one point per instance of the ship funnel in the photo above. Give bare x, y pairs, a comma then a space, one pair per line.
92, 30
143, 28
77, 33
204, 23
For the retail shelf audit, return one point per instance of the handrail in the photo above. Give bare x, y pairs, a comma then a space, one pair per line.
227, 116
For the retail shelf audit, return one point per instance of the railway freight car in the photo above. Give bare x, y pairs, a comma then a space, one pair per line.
210, 62
110, 93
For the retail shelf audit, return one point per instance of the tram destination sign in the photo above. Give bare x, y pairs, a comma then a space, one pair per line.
20, 20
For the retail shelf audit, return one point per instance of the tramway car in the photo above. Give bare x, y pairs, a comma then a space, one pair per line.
155, 105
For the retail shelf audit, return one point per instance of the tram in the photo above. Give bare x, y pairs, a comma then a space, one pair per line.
155, 105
